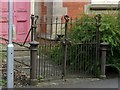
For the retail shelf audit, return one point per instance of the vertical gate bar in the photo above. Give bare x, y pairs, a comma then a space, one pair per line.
43, 62
61, 25
92, 57
76, 58
56, 29
56, 19
87, 56
54, 46
94, 54
90, 47
71, 50
40, 25
45, 52
41, 51
83, 57
78, 49
51, 28
50, 50
50, 73
68, 69
85, 62
58, 25
61, 51
38, 72
80, 57
41, 45
47, 46
59, 38
71, 22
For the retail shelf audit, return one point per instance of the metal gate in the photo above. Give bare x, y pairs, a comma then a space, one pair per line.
60, 56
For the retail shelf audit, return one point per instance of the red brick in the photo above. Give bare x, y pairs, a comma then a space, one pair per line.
75, 8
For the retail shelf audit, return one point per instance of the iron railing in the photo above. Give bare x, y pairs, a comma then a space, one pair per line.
61, 56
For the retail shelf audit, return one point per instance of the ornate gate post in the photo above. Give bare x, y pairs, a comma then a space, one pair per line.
103, 59
33, 51
33, 62
66, 17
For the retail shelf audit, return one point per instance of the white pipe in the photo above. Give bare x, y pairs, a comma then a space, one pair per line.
10, 50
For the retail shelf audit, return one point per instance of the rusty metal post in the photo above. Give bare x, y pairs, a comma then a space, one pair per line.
66, 17
33, 62
103, 59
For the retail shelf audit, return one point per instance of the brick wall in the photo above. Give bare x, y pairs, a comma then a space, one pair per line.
59, 9
75, 9
43, 9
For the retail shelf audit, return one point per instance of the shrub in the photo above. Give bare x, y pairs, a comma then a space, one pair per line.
109, 32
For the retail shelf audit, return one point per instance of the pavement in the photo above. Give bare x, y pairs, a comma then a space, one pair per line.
75, 82
81, 83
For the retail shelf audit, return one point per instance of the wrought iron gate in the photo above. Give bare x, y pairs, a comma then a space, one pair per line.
60, 56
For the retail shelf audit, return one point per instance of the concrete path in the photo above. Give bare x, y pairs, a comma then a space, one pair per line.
81, 83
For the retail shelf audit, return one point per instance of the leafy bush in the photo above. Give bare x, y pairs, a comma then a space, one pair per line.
109, 32
83, 29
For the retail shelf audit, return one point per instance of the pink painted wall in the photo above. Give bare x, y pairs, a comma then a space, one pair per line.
21, 20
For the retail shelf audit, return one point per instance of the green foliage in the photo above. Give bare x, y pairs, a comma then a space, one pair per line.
110, 30
2, 56
83, 31
3, 82
56, 54
84, 28
40, 78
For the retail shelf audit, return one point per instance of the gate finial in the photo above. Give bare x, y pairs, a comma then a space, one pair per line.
66, 17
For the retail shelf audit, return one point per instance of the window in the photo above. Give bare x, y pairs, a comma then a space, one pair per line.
104, 1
